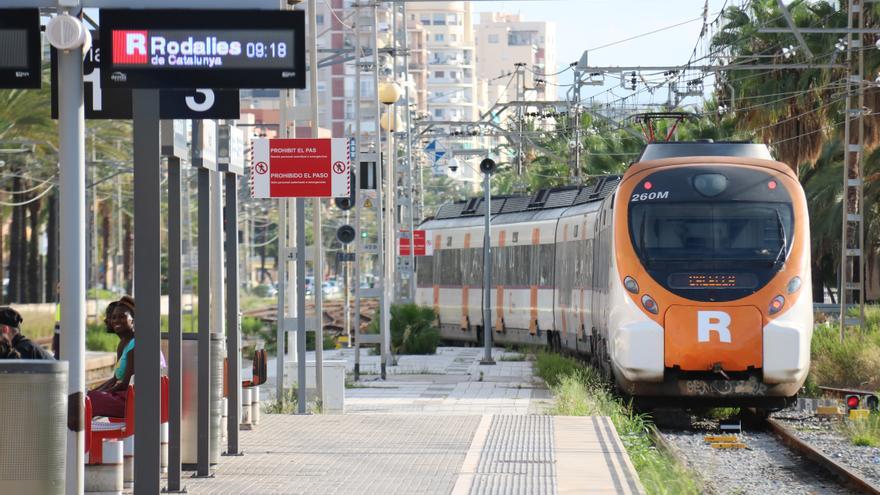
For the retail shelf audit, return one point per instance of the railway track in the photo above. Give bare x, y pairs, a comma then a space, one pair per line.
767, 457
333, 313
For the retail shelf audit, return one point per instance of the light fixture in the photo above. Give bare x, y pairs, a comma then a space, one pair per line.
389, 92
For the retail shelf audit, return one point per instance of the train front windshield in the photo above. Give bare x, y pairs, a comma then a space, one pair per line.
712, 251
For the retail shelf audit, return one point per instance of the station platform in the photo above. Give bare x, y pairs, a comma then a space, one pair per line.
441, 424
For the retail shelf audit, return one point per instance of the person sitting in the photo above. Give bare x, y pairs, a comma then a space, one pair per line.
108, 399
10, 331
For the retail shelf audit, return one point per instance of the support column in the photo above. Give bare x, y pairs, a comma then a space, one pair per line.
203, 444
72, 182
147, 269
175, 337
233, 320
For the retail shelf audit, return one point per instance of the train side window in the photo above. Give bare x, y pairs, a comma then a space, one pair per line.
515, 237
545, 261
449, 241
576, 231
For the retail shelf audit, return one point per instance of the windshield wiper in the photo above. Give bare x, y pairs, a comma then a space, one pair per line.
780, 256
643, 257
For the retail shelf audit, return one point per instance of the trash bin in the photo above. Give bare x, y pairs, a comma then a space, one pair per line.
34, 403
190, 392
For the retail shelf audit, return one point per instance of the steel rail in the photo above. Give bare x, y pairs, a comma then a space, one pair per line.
843, 473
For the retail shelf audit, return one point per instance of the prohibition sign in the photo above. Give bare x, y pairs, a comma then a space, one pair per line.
338, 167
261, 168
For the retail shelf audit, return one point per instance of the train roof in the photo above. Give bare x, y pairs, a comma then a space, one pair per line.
741, 149
543, 199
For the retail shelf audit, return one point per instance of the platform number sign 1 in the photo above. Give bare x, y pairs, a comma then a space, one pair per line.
115, 103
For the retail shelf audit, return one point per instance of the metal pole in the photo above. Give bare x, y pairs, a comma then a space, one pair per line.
301, 306
175, 290
487, 272
217, 313
147, 267
390, 248
409, 162
233, 322
358, 252
281, 282
316, 204
203, 449
380, 220
72, 165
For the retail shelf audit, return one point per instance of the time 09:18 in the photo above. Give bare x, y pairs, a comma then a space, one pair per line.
263, 50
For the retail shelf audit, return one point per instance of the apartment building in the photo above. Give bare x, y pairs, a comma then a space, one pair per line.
505, 39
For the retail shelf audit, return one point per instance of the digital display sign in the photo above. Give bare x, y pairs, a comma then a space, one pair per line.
203, 48
116, 103
20, 48
712, 281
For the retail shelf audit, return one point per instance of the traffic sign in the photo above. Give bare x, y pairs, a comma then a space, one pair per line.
115, 103
159, 48
419, 241
301, 168
20, 48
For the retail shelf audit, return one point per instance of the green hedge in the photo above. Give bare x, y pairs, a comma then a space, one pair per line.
412, 329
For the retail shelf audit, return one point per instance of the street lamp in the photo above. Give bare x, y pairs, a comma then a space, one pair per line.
487, 166
389, 93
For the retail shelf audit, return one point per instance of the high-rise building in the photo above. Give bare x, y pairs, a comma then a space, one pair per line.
504, 40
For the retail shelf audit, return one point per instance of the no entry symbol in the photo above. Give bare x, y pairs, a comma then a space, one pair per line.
261, 168
338, 168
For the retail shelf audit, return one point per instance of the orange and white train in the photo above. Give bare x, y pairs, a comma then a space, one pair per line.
687, 279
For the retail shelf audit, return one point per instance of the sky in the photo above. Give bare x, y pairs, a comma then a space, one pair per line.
586, 24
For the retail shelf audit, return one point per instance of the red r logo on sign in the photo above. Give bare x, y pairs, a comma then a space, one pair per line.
338, 167
261, 168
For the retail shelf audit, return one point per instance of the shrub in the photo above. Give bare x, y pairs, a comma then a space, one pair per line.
412, 329
98, 339
251, 326
864, 432
853, 363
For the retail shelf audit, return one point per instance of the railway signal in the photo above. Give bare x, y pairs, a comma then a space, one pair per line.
345, 234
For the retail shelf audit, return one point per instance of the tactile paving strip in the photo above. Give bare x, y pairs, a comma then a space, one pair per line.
517, 457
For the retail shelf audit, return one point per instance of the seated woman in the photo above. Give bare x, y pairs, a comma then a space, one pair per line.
109, 398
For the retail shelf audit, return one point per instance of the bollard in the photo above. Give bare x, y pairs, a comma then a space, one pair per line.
246, 407
33, 444
163, 449
255, 405
107, 478
128, 461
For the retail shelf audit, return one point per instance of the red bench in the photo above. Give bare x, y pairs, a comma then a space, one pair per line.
117, 428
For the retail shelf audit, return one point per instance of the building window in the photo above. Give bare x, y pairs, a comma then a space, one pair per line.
439, 20
438, 113
320, 18
453, 37
425, 19
439, 74
493, 38
439, 37
453, 19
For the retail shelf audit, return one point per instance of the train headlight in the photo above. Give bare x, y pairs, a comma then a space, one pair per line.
631, 285
650, 304
710, 185
776, 305
794, 284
